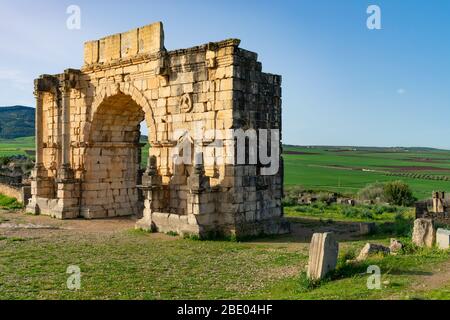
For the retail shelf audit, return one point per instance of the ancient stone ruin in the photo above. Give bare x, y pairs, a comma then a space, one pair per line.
436, 208
193, 102
14, 177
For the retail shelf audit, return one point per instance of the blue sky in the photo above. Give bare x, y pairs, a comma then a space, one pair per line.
343, 84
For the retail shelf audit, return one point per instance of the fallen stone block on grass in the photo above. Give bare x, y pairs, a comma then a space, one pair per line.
424, 234
372, 248
443, 238
323, 254
395, 246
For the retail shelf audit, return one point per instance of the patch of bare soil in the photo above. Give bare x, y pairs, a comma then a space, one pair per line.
439, 277
19, 224
428, 160
303, 229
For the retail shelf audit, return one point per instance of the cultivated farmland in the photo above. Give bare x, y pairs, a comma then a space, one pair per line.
348, 169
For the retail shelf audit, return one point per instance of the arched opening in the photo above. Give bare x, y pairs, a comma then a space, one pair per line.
113, 162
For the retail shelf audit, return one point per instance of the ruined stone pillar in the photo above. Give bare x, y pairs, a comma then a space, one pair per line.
38, 128
201, 204
38, 176
68, 188
65, 172
438, 202
153, 193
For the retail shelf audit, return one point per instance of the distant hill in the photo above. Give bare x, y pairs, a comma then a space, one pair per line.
371, 149
16, 121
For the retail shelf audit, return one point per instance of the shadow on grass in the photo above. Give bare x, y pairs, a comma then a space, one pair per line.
399, 272
302, 230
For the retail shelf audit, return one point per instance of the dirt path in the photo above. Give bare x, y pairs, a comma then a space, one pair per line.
19, 224
440, 277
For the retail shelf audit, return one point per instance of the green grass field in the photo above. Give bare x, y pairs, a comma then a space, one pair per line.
347, 171
18, 146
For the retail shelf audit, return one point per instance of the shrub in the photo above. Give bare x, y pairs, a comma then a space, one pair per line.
373, 192
350, 212
395, 193
294, 191
366, 214
399, 193
319, 205
291, 195
323, 197
380, 209
289, 201
9, 203
306, 284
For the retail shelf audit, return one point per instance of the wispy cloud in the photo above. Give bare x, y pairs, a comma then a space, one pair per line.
16, 78
401, 91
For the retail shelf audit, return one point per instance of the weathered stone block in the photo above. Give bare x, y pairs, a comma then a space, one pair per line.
443, 238
112, 48
129, 44
91, 52
323, 253
151, 38
424, 233
395, 246
371, 248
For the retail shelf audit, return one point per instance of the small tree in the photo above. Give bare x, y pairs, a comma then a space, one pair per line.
399, 193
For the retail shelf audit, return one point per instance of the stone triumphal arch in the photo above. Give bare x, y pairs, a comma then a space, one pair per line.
88, 149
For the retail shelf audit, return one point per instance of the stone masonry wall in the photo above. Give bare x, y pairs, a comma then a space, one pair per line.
88, 124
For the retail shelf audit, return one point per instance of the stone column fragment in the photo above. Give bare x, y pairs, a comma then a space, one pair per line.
152, 188
424, 234
323, 253
438, 202
65, 172
38, 127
